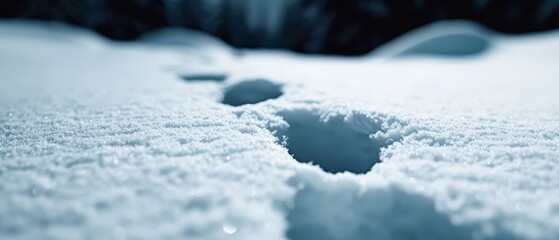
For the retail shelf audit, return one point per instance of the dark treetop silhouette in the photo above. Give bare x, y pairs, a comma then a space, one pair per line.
313, 26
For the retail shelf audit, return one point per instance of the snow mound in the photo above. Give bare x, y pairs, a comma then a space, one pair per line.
449, 39
451, 45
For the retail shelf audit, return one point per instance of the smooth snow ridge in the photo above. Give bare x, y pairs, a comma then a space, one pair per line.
448, 39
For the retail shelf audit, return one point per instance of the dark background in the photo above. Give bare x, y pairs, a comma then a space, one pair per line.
348, 27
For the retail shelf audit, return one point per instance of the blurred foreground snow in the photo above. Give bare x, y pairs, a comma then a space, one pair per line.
178, 136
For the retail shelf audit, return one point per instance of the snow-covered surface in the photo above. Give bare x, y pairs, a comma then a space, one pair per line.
109, 140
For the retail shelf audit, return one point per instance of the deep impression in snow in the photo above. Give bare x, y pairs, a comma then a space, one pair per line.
296, 120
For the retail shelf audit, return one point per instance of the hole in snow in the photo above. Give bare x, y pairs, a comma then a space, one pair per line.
450, 45
251, 92
204, 77
328, 208
335, 143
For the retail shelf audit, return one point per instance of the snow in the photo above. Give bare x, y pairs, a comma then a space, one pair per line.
112, 140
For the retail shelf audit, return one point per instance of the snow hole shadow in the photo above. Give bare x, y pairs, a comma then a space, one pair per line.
329, 208
337, 143
203, 77
251, 92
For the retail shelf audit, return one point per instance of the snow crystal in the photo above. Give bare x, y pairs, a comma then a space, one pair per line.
229, 228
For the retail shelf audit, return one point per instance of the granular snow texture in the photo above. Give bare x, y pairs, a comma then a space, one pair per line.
106, 140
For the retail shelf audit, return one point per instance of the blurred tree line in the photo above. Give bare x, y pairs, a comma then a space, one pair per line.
313, 26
